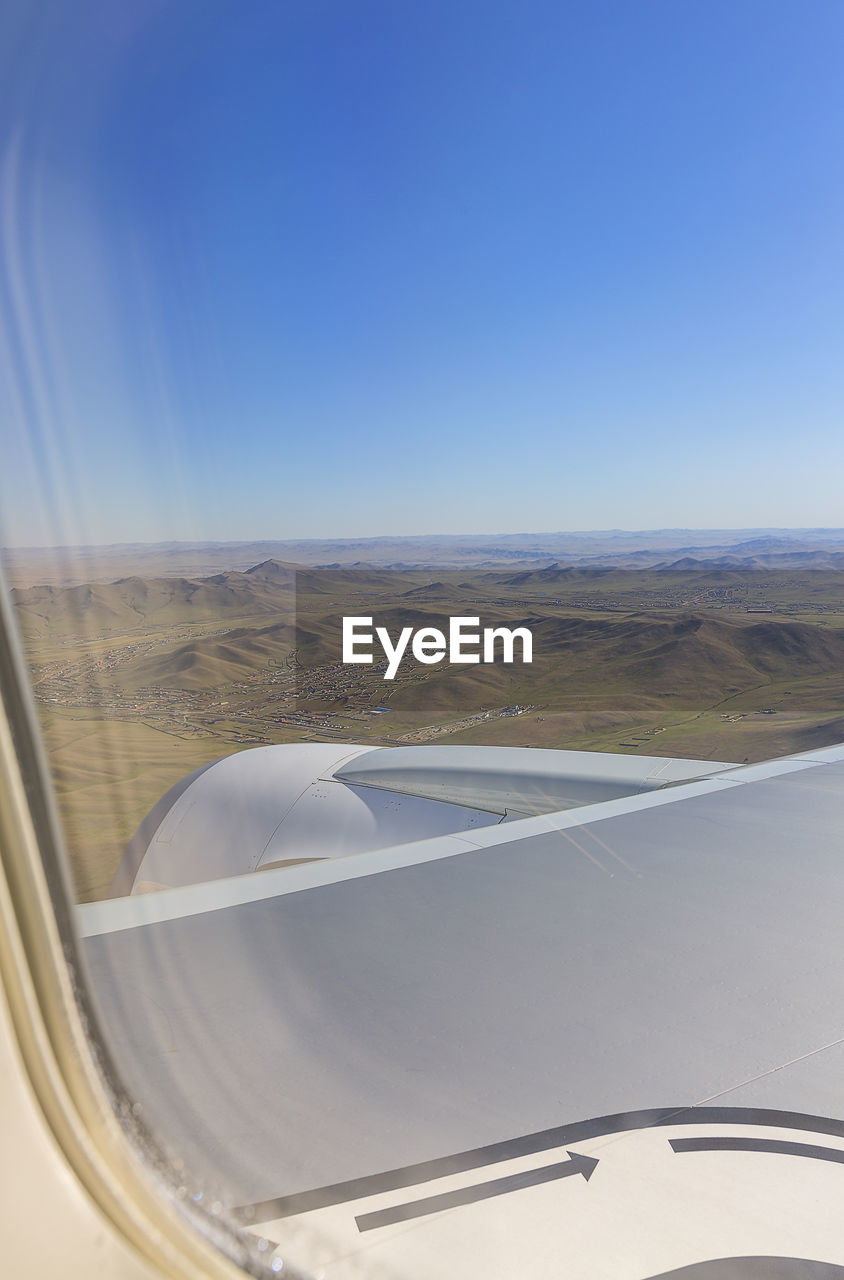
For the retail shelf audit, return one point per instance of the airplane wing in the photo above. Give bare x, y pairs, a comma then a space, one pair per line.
602, 1040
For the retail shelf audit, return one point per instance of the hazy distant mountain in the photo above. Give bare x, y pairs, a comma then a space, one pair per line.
776, 560
612, 548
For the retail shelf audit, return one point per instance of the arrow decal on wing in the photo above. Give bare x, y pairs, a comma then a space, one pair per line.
576, 1163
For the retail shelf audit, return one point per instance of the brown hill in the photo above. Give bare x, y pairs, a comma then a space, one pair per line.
694, 656
100, 609
551, 574
213, 662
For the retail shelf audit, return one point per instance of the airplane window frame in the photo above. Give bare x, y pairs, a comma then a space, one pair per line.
71, 1073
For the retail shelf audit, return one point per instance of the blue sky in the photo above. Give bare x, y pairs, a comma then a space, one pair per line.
320, 268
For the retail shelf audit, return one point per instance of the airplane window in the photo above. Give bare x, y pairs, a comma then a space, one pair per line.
421, 521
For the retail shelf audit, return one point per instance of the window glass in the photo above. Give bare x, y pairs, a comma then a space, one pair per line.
422, 426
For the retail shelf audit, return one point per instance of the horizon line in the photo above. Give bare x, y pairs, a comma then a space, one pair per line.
417, 537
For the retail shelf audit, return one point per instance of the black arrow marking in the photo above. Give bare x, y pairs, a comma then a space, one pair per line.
528, 1144
774, 1145
480, 1191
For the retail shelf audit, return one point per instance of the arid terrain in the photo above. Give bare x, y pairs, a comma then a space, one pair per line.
140, 680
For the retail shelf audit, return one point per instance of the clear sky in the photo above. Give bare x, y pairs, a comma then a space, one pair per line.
316, 268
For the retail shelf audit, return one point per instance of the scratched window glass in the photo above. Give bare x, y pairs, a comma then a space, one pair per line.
421, 515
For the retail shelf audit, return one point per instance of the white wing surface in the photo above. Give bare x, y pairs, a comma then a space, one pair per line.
600, 1041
